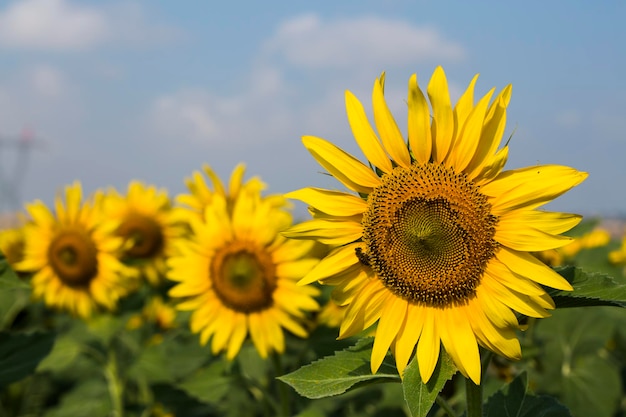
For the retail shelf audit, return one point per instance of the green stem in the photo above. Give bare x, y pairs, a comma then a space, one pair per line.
473, 392
285, 409
114, 384
474, 395
443, 404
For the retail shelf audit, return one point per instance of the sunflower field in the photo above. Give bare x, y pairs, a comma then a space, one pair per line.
431, 282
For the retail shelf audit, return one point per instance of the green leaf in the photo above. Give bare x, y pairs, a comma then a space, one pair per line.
336, 374
419, 396
8, 278
20, 353
63, 354
12, 302
590, 289
514, 399
89, 398
574, 363
154, 363
207, 385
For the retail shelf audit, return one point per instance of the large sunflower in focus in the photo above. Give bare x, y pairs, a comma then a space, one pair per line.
435, 244
238, 274
146, 225
73, 253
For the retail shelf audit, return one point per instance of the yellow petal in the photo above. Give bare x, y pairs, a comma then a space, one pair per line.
468, 137
465, 104
408, 335
525, 238
239, 333
530, 187
502, 341
334, 203
388, 129
341, 165
328, 232
236, 179
258, 334
429, 345
443, 120
420, 138
512, 280
391, 319
491, 136
335, 262
523, 303
365, 135
372, 294
527, 265
215, 179
459, 340
546, 221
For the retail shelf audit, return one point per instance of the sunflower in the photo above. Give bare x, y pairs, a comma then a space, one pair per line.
147, 227
202, 195
74, 255
12, 244
434, 246
238, 274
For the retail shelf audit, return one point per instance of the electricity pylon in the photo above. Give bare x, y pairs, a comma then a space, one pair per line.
11, 177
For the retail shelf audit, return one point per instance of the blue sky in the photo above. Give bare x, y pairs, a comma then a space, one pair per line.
149, 90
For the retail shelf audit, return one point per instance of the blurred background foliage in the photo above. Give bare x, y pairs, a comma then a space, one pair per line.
142, 360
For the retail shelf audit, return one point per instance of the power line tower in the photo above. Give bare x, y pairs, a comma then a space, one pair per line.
11, 177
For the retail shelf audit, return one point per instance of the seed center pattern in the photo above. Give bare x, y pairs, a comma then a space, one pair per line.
145, 235
244, 276
429, 234
73, 257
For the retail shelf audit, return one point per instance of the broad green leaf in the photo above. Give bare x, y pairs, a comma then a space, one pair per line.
208, 384
20, 353
336, 374
154, 363
179, 403
89, 398
12, 302
514, 399
590, 289
63, 354
574, 363
8, 278
419, 396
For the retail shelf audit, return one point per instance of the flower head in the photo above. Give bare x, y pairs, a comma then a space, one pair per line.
433, 241
238, 274
73, 253
146, 225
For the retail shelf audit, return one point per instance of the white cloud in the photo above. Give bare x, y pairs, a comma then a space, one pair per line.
64, 25
272, 106
308, 41
51, 24
47, 81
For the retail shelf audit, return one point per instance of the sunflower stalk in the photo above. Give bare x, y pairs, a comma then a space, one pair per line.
474, 392
114, 385
474, 397
285, 409
443, 404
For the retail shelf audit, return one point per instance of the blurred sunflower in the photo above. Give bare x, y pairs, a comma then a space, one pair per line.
201, 195
147, 227
434, 245
618, 256
12, 244
238, 274
564, 255
74, 255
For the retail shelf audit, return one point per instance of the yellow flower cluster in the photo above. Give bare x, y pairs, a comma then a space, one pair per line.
432, 244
